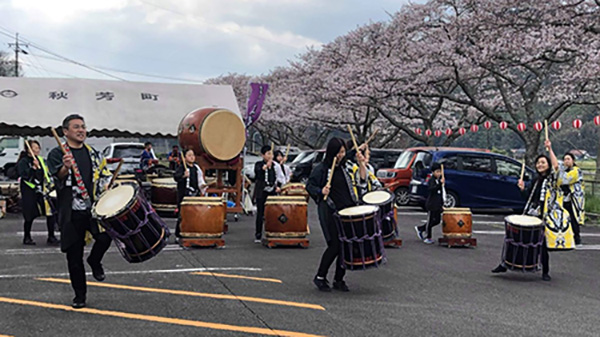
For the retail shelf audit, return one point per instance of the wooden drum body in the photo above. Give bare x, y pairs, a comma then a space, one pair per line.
360, 237
202, 217
286, 216
164, 194
385, 201
523, 242
217, 133
457, 223
138, 232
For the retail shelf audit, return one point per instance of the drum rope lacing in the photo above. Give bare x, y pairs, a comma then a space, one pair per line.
526, 248
122, 240
360, 241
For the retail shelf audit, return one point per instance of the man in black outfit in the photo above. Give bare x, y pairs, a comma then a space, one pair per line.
75, 198
434, 204
266, 185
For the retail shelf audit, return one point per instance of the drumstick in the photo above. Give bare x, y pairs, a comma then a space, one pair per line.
287, 151
272, 146
546, 130
353, 139
443, 171
29, 149
523, 169
58, 140
372, 136
115, 174
183, 161
330, 175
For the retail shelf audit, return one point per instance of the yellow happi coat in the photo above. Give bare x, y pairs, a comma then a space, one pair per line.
559, 233
573, 179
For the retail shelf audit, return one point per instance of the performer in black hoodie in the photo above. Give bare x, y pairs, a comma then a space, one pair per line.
266, 185
190, 181
433, 205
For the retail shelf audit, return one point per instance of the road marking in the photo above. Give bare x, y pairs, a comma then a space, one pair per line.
134, 272
159, 319
237, 276
589, 247
502, 233
192, 293
35, 251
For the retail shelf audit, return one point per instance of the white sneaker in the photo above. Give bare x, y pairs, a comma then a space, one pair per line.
428, 241
256, 240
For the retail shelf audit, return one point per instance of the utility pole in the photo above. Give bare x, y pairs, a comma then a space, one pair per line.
17, 50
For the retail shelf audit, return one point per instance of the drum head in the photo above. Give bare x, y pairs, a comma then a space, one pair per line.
378, 197
112, 202
358, 210
164, 181
523, 220
223, 135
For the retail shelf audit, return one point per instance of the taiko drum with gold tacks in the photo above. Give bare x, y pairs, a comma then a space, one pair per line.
202, 217
219, 133
457, 223
286, 216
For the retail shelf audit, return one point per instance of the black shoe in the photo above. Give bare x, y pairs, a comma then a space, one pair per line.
97, 270
52, 241
341, 286
546, 277
499, 269
322, 284
78, 303
28, 242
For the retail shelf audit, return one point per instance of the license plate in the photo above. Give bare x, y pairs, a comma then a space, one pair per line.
414, 190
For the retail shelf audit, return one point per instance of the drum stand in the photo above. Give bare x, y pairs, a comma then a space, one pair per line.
457, 241
189, 242
220, 187
271, 242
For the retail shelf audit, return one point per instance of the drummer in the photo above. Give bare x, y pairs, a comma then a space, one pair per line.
372, 183
190, 181
284, 173
342, 193
75, 198
35, 184
544, 194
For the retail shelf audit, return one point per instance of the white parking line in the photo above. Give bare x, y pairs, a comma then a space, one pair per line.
134, 272
35, 251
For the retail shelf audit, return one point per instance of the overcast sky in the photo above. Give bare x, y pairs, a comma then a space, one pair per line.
178, 39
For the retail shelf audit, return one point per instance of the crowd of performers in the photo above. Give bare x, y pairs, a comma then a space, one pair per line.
79, 175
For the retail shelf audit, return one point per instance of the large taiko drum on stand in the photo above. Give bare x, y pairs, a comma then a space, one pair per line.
138, 232
217, 133
523, 242
360, 237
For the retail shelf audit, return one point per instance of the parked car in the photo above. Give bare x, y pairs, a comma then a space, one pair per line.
249, 161
10, 148
397, 179
129, 152
384, 158
303, 164
473, 179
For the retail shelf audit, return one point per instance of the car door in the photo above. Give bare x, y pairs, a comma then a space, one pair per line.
472, 180
505, 187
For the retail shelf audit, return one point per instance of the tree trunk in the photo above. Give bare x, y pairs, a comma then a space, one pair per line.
597, 176
532, 143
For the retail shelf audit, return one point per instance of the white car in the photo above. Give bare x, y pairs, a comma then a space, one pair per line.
129, 152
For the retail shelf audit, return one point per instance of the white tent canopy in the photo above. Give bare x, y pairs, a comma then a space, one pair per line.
30, 106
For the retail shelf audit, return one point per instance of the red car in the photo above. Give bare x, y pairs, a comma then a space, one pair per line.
397, 179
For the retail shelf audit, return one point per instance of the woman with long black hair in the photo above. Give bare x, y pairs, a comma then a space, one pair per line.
347, 185
35, 184
545, 202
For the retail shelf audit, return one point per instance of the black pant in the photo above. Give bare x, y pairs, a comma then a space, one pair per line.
50, 221
75, 253
261, 199
576, 232
433, 219
545, 258
332, 253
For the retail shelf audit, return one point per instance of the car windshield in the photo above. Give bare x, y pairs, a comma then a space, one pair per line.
129, 151
304, 157
404, 160
9, 143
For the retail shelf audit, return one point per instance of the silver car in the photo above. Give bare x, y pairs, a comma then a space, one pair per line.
129, 152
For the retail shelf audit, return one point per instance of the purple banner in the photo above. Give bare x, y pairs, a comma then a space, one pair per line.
255, 102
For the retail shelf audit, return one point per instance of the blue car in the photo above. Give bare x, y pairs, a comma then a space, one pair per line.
474, 179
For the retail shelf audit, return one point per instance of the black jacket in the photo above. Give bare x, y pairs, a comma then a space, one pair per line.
182, 190
434, 201
261, 183
31, 200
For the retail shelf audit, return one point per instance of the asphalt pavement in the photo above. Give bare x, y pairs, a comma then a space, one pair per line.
248, 289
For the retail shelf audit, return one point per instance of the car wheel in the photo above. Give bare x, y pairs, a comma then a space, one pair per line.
402, 196
451, 200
